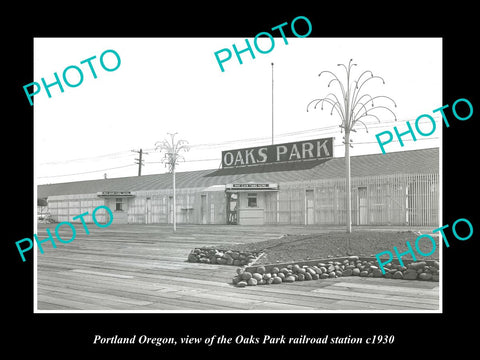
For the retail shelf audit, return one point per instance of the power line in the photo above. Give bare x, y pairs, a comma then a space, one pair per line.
320, 131
112, 155
215, 159
195, 160
86, 172
394, 140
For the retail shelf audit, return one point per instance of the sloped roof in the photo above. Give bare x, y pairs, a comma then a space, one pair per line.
424, 161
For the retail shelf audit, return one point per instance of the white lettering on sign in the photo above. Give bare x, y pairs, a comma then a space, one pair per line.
296, 151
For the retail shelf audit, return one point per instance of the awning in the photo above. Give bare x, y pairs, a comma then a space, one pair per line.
250, 187
116, 194
215, 188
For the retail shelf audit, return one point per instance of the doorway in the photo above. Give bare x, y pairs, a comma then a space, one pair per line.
232, 206
203, 210
148, 211
310, 208
362, 206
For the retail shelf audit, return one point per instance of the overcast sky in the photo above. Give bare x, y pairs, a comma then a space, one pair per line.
175, 85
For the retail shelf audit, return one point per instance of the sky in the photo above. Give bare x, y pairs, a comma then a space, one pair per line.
175, 85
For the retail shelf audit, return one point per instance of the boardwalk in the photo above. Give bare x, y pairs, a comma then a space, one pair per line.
143, 267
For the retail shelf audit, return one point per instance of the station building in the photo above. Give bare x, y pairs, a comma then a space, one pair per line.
398, 188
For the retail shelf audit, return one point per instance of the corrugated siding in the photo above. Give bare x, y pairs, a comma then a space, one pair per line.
404, 199
66, 207
189, 207
391, 189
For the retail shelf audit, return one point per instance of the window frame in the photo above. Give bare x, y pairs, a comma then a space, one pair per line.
119, 201
254, 197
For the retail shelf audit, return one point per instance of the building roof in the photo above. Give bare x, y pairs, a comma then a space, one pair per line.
424, 161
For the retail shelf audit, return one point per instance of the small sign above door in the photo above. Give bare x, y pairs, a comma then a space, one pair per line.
115, 194
251, 187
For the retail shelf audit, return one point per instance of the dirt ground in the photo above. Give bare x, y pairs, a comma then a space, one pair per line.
334, 244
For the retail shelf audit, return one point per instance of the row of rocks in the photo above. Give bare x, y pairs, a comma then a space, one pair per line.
413, 271
222, 257
352, 266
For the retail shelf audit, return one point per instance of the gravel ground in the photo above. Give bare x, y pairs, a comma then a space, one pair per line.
320, 246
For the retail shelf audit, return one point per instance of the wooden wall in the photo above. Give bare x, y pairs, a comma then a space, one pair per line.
190, 207
65, 207
376, 200
402, 199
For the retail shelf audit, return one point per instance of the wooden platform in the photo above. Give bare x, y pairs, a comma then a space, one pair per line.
143, 267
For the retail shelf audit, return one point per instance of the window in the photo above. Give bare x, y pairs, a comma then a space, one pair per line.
119, 204
252, 200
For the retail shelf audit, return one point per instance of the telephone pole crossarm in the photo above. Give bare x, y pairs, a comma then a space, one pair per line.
139, 160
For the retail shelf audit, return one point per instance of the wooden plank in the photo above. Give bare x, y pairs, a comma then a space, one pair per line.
88, 280
192, 302
128, 296
143, 268
284, 292
388, 288
326, 295
224, 297
88, 283
68, 302
288, 301
353, 305
381, 298
90, 272
42, 305
97, 296
384, 286
215, 298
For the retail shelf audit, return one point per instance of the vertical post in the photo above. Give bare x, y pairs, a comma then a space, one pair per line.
174, 202
171, 157
350, 114
348, 185
140, 163
272, 106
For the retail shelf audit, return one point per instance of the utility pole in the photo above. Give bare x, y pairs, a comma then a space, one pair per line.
139, 161
272, 106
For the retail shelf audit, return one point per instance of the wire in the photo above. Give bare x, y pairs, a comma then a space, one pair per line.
320, 131
86, 172
112, 155
395, 140
160, 162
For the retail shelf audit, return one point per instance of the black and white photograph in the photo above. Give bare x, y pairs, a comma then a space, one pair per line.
217, 184
238, 182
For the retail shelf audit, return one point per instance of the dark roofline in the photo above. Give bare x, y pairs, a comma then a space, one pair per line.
378, 164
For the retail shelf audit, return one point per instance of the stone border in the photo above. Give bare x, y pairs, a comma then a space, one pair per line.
253, 275
211, 255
